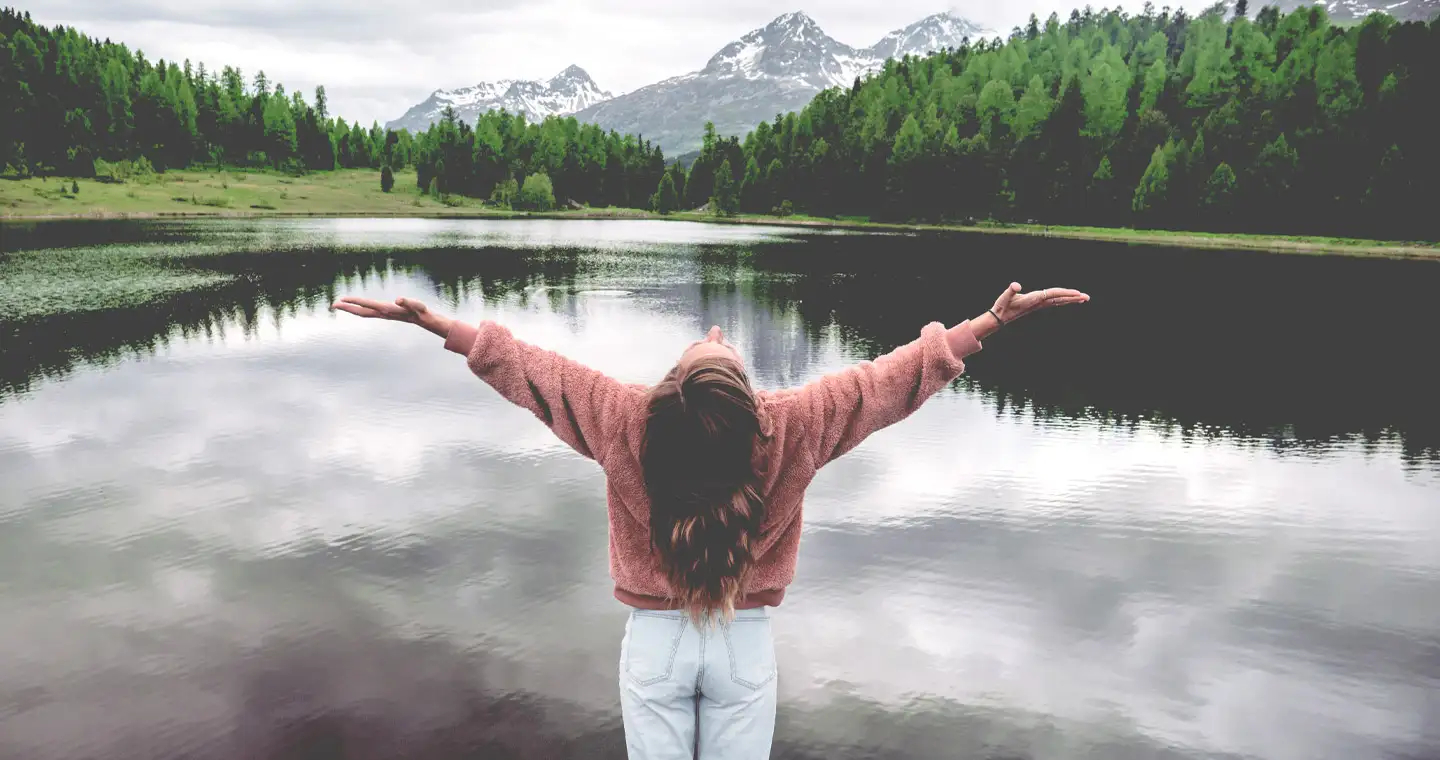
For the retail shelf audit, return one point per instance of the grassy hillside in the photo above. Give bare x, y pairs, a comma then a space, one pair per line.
191, 192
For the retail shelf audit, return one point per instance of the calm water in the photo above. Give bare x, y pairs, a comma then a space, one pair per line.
1197, 518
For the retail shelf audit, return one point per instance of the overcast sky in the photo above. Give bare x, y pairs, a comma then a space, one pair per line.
376, 58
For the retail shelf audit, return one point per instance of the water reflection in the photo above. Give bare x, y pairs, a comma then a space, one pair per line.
261, 531
1213, 342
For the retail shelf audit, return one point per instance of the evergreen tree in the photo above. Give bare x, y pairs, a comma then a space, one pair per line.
1033, 108
774, 178
723, 198
1219, 194
1102, 193
1154, 188
995, 109
752, 191
666, 198
280, 138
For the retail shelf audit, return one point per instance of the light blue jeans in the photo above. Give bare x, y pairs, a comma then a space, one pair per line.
706, 693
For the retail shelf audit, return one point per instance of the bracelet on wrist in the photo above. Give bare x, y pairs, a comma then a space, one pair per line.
998, 321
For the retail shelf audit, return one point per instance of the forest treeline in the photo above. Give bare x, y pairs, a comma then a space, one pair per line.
1282, 123
70, 100
75, 105
508, 159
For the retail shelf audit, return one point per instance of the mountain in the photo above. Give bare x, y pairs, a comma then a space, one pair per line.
566, 92
777, 68
931, 33
1344, 11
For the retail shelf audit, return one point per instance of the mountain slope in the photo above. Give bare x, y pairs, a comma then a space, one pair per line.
1345, 11
566, 92
777, 68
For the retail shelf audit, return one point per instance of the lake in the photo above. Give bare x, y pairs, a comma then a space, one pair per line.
1198, 517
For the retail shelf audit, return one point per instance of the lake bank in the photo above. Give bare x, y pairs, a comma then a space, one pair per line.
354, 193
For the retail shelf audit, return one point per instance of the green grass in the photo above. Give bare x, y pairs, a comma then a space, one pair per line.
233, 191
356, 192
1309, 244
1126, 232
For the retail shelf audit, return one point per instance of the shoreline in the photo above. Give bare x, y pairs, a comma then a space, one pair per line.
1176, 239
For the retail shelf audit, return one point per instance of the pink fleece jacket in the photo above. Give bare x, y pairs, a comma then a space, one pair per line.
604, 420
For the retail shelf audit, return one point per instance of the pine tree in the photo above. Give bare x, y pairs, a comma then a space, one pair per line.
279, 125
1219, 193
1033, 108
752, 190
1154, 85
774, 179
1102, 191
666, 198
1153, 190
995, 109
723, 199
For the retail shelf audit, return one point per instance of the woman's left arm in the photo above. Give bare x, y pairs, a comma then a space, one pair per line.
844, 408
585, 408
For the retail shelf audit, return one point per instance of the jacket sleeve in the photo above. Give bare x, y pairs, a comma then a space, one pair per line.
585, 408
839, 411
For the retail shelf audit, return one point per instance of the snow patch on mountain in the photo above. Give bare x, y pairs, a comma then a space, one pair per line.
1356, 10
565, 93
794, 47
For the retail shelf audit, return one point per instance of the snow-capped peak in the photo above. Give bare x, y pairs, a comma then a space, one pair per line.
796, 22
774, 49
573, 76
565, 93
794, 48
929, 34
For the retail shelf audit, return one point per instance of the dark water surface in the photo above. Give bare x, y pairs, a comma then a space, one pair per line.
1196, 518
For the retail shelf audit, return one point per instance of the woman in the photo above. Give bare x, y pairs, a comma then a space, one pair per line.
705, 477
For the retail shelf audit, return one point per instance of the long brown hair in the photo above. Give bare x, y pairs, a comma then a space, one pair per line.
702, 456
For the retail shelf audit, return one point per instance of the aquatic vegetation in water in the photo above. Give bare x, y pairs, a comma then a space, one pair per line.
36, 284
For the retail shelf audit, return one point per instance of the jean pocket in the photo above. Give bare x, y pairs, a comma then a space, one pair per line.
651, 642
752, 652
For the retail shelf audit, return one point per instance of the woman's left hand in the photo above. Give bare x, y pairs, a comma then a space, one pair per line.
1012, 304
403, 310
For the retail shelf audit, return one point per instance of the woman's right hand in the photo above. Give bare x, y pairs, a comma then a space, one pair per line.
403, 310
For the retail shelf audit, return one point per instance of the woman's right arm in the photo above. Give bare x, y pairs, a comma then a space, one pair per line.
583, 407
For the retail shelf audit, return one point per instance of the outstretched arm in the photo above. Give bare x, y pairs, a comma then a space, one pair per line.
585, 408
842, 409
